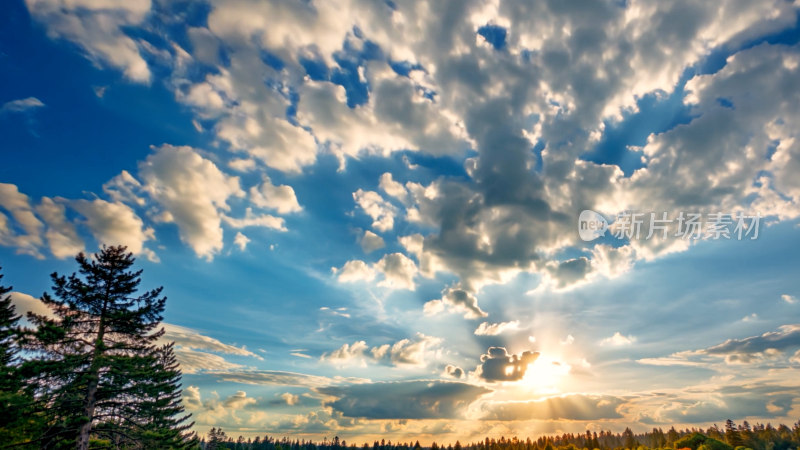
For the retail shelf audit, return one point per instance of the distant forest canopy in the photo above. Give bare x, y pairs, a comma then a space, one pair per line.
731, 437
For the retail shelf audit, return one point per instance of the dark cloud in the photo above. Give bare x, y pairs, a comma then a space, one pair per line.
741, 350
403, 400
453, 371
498, 365
570, 407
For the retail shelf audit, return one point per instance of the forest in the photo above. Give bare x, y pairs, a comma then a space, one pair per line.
732, 437
94, 374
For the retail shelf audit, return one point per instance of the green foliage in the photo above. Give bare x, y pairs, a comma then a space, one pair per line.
97, 374
692, 441
714, 444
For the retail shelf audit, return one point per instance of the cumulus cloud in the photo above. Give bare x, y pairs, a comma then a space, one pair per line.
381, 211
618, 339
280, 198
458, 301
498, 365
413, 352
355, 270
790, 299
26, 236
97, 27
62, 237
193, 192
398, 271
404, 400
114, 223
493, 329
370, 242
241, 241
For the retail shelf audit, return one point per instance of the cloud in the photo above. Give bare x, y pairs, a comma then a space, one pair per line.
97, 27
398, 271
498, 365
755, 347
272, 377
370, 242
113, 223
770, 345
347, 353
404, 400
24, 303
393, 188
21, 105
493, 329
193, 192
458, 301
193, 361
381, 211
27, 235
241, 240
415, 352
618, 339
355, 270
568, 407
789, 299
192, 339
61, 235
453, 371
279, 198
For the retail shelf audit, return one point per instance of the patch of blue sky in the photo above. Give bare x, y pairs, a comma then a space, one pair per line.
79, 136
495, 35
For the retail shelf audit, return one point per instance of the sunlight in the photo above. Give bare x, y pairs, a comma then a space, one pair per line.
546, 375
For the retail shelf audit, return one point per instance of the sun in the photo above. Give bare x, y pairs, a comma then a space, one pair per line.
546, 375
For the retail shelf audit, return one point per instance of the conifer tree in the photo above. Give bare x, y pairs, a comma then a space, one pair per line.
96, 362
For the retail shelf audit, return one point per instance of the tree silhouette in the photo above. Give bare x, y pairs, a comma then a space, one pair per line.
96, 365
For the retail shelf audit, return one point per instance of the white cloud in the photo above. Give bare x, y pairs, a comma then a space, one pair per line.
347, 353
398, 271
493, 329
21, 105
193, 191
62, 238
393, 188
188, 338
355, 270
97, 27
789, 299
241, 240
113, 223
618, 339
28, 237
280, 198
381, 211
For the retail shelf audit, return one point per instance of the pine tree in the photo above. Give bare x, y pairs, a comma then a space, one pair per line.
97, 365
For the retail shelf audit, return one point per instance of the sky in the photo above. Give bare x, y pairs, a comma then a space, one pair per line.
366, 214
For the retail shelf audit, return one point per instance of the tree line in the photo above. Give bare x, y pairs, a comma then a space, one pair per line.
91, 373
730, 437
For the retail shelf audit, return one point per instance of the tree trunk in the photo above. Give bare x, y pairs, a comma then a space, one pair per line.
94, 379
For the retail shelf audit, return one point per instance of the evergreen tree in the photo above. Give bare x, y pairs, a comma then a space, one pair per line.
97, 366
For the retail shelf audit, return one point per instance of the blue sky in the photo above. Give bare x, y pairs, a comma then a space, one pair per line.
365, 214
